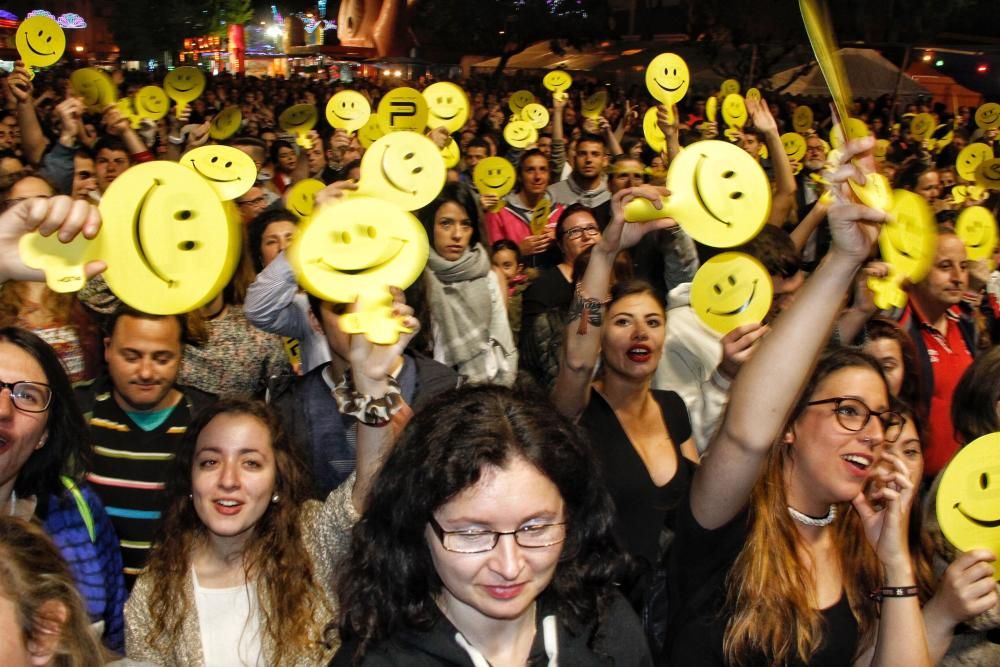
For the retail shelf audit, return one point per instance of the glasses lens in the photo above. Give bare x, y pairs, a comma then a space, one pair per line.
30, 397
541, 536
852, 414
469, 543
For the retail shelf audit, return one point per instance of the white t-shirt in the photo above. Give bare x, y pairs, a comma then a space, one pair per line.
229, 621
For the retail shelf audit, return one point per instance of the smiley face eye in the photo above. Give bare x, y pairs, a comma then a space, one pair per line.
183, 215
187, 245
229, 164
732, 281
984, 481
214, 160
369, 231
716, 288
345, 237
728, 174
736, 195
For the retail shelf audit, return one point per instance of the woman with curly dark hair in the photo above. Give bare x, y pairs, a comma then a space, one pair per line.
487, 540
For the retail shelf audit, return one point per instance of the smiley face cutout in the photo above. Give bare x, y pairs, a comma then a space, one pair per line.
970, 157
802, 119
452, 154
988, 174
370, 132
968, 498
94, 87
300, 199
652, 132
402, 109
403, 168
520, 133
712, 108
593, 106
230, 171
794, 145
40, 41
720, 195
856, 129
226, 123
447, 106
908, 242
977, 228
734, 110
169, 242
298, 119
753, 94
730, 290
184, 85
988, 116
152, 102
520, 99
536, 115
922, 125
667, 78
494, 175
348, 110
558, 81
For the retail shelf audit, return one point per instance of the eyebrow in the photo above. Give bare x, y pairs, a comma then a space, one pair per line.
544, 514
216, 450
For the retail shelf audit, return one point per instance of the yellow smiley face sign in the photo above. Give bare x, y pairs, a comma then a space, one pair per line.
184, 85
226, 123
667, 78
229, 170
152, 102
977, 228
802, 119
652, 132
922, 125
968, 498
520, 99
593, 106
300, 199
730, 290
348, 110
794, 145
94, 87
451, 154
520, 133
970, 157
356, 250
881, 149
988, 116
734, 110
558, 81
494, 175
720, 195
298, 119
447, 106
908, 242
403, 168
402, 109
40, 41
370, 132
988, 174
753, 94
536, 115
729, 87
856, 129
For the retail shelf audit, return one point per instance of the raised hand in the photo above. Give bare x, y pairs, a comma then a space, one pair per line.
886, 528
53, 215
371, 364
619, 234
853, 226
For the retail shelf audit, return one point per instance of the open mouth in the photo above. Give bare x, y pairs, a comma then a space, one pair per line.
858, 462
639, 354
742, 307
204, 175
979, 522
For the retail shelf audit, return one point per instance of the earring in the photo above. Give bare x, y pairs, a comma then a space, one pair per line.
190, 496
275, 498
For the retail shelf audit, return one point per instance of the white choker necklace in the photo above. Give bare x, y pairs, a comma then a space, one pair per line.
817, 521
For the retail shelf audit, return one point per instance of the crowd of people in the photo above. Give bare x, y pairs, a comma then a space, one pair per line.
556, 463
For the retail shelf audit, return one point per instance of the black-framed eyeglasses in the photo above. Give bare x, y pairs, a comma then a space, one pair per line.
533, 536
576, 232
256, 201
854, 415
29, 396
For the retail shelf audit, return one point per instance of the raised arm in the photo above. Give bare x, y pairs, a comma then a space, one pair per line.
800, 235
759, 405
784, 193
583, 333
33, 140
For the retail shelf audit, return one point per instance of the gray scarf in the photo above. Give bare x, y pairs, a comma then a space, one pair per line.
460, 303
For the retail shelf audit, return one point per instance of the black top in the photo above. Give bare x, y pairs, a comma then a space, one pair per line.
699, 563
643, 508
550, 291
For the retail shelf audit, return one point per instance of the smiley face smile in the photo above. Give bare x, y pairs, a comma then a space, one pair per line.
979, 522
739, 309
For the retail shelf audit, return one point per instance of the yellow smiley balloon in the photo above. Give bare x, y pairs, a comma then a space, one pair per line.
300, 199
988, 116
348, 110
447, 106
734, 110
402, 109
753, 94
184, 85
152, 102
494, 175
370, 132
403, 168
170, 243
667, 78
451, 153
226, 123
558, 81
970, 157
720, 195
908, 242
536, 115
977, 228
356, 250
794, 145
40, 41
298, 119
712, 108
540, 216
856, 129
988, 174
729, 87
968, 498
520, 134
922, 125
802, 119
62, 263
593, 106
881, 148
730, 290
229, 170
652, 132
94, 87
520, 99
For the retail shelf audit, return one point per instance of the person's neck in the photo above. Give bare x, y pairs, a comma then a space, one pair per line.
172, 398
502, 642
933, 312
6, 493
213, 308
531, 199
585, 183
218, 560
803, 500
623, 394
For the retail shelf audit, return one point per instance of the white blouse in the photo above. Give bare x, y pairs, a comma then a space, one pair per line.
229, 620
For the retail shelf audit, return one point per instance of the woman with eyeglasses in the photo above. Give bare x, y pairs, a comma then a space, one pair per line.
43, 451
486, 541
759, 573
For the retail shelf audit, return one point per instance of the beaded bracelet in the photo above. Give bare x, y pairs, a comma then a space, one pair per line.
894, 592
588, 309
368, 409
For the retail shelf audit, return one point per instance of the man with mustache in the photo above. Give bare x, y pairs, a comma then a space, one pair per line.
137, 417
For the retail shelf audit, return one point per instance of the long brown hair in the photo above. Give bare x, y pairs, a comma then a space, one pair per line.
293, 607
768, 587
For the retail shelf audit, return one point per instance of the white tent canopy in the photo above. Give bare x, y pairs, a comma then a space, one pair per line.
868, 72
